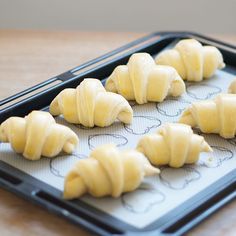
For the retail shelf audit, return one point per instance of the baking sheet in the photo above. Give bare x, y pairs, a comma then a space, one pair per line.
159, 194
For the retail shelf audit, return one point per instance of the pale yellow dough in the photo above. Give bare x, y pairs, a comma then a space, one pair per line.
37, 135
232, 87
107, 171
142, 80
89, 104
192, 60
173, 145
213, 116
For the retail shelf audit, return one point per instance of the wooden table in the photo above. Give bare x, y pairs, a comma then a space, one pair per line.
30, 57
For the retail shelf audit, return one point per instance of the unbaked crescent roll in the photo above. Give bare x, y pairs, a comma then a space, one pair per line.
173, 145
192, 60
232, 87
108, 171
90, 104
37, 135
213, 116
142, 80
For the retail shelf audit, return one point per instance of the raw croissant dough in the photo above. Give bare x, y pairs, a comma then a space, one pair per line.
232, 87
213, 116
37, 135
142, 80
192, 60
173, 144
89, 104
107, 171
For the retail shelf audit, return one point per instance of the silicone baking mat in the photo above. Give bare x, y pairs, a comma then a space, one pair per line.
157, 195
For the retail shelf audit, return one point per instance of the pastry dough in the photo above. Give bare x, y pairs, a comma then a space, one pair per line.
173, 145
232, 87
213, 116
192, 60
37, 135
142, 80
107, 171
89, 104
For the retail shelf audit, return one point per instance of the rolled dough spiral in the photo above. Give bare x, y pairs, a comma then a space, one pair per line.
213, 116
142, 80
174, 145
192, 60
37, 135
89, 104
107, 171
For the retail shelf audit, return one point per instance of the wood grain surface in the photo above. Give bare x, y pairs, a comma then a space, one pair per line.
30, 57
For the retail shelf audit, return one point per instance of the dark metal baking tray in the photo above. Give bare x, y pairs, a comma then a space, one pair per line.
177, 221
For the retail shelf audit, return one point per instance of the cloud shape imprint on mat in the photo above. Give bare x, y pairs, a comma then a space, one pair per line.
96, 140
61, 165
178, 178
135, 203
142, 124
217, 158
202, 91
172, 107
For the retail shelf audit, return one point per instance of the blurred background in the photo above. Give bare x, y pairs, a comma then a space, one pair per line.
206, 16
